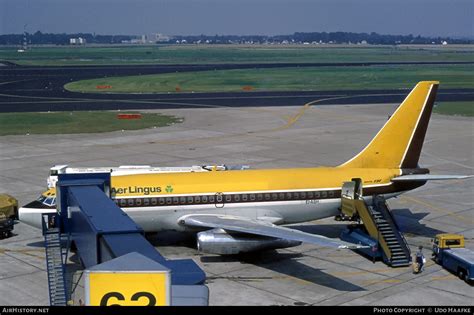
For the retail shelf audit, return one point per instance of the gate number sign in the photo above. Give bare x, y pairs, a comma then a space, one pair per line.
109, 288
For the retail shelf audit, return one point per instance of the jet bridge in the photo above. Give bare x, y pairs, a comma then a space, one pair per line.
102, 232
379, 228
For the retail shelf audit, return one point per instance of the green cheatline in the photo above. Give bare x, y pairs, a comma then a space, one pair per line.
284, 79
455, 108
78, 122
201, 54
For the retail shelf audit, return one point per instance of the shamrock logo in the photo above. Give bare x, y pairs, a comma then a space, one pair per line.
169, 189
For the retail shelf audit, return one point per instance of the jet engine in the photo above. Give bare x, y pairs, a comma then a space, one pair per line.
218, 241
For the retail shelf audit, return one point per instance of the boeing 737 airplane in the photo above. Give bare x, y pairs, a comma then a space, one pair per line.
247, 208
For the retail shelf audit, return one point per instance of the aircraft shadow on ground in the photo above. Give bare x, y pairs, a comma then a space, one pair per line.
409, 222
73, 278
287, 264
36, 244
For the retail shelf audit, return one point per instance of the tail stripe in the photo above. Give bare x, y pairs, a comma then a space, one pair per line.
413, 151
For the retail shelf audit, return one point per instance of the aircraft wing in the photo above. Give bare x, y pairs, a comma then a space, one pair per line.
263, 228
424, 177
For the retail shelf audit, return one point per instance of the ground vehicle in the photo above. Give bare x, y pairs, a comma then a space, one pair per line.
8, 213
449, 252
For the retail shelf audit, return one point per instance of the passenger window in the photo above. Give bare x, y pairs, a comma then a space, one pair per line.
175, 200
131, 202
331, 193
219, 198
190, 200
237, 198
155, 201
274, 196
317, 194
169, 200
310, 195
204, 199
182, 200
296, 195
138, 202
252, 197
228, 198
197, 199
244, 197
281, 196
288, 196
146, 202
211, 199
259, 197
324, 194
123, 202
303, 195
267, 197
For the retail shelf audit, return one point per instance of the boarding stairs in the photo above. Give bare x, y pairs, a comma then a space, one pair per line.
55, 260
377, 221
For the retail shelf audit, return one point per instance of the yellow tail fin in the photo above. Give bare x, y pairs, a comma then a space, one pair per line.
398, 144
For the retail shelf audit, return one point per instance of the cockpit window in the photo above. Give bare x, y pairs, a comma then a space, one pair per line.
49, 201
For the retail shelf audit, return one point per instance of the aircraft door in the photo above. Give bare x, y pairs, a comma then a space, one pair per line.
348, 190
352, 189
219, 200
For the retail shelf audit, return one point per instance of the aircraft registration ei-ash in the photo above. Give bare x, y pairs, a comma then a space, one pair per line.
236, 211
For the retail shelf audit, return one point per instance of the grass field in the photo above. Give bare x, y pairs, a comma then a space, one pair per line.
193, 54
285, 79
77, 122
455, 108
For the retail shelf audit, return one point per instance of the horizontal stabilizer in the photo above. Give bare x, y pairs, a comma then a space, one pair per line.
257, 227
425, 177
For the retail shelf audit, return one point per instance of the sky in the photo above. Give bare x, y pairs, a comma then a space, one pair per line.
452, 18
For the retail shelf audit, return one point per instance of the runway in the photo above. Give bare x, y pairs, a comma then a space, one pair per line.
36, 89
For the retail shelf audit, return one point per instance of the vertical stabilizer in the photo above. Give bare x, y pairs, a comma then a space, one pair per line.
398, 144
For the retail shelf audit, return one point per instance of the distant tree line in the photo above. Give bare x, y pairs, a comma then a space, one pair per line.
321, 37
40, 38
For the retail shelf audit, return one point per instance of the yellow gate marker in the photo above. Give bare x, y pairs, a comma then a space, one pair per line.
129, 280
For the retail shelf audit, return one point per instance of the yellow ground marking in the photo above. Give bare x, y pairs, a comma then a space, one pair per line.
450, 213
290, 122
371, 282
293, 119
294, 279
29, 252
448, 277
361, 272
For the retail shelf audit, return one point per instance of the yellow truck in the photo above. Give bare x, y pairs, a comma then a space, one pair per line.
449, 252
8, 214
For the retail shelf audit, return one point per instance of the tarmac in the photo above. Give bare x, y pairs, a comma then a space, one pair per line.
261, 137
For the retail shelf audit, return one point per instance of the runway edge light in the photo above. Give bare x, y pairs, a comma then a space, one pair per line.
128, 280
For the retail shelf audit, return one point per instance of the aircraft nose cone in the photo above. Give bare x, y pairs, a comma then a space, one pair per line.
31, 213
